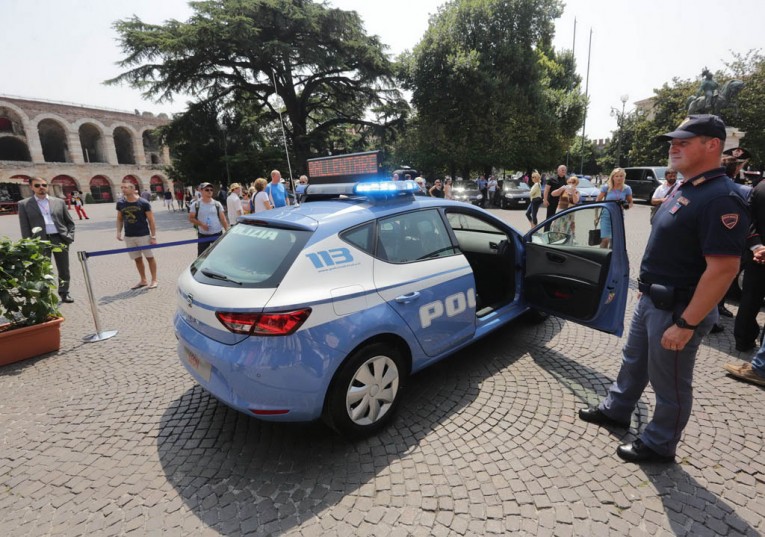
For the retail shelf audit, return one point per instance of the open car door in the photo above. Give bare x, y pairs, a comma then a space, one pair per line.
576, 266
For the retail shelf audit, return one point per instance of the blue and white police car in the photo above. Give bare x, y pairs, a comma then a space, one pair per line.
324, 309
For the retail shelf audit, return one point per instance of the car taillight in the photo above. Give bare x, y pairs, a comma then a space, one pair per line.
263, 324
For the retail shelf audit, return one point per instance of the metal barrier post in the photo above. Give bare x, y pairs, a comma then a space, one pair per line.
99, 335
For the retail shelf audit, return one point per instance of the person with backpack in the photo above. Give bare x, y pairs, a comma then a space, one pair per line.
208, 217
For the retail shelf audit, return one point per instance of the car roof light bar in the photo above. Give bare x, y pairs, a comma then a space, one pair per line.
368, 189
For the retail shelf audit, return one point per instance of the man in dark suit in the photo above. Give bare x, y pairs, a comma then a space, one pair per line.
47, 217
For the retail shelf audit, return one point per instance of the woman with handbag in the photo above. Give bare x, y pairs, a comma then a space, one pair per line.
569, 196
613, 190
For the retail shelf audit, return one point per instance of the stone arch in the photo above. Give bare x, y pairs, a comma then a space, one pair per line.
92, 142
53, 140
151, 146
123, 144
101, 188
14, 148
15, 116
157, 184
67, 183
135, 180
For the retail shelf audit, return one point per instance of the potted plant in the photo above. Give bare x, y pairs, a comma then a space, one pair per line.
30, 322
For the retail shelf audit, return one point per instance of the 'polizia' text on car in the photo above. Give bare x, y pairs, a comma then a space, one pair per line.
324, 309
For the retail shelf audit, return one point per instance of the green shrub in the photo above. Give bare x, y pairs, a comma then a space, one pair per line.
27, 284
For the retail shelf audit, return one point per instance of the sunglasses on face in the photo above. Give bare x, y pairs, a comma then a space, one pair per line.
40, 185
207, 189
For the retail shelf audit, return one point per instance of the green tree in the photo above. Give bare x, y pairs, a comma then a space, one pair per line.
328, 73
750, 113
488, 88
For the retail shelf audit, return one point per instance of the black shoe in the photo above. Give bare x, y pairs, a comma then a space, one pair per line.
717, 328
637, 451
725, 312
744, 347
596, 416
66, 298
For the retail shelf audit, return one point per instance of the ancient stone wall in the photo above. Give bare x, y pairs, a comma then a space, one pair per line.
78, 147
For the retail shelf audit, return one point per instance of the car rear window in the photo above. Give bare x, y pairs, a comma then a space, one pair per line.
250, 256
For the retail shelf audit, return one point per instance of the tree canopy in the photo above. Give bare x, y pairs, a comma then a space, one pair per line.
329, 74
488, 88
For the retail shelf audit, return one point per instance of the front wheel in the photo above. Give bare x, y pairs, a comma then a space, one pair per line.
365, 391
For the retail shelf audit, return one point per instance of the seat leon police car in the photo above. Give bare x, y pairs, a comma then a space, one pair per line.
324, 309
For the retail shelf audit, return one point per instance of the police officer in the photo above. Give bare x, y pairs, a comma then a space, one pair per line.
691, 258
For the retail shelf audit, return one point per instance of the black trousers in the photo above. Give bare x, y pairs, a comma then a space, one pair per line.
62, 263
746, 329
202, 246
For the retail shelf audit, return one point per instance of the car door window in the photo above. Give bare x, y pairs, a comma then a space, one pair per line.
588, 227
414, 236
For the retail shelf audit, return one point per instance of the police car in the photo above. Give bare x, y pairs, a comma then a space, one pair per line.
324, 309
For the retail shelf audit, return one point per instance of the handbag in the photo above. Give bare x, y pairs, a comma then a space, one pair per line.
593, 236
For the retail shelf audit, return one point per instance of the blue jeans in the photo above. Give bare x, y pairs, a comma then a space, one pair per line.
758, 362
532, 209
670, 373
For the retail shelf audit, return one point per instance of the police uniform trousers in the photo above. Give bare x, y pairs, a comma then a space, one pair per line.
670, 373
746, 329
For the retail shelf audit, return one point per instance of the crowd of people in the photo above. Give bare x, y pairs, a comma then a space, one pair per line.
699, 228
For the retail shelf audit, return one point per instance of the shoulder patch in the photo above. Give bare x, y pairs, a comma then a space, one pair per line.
729, 220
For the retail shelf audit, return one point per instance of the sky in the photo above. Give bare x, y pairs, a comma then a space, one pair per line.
63, 50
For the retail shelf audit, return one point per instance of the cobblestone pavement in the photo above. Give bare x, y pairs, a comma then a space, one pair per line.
114, 438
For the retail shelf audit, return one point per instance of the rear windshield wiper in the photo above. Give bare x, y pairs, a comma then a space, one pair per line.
217, 276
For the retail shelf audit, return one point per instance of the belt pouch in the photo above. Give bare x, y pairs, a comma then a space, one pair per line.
662, 296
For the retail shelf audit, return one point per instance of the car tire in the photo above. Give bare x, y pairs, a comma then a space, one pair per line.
365, 391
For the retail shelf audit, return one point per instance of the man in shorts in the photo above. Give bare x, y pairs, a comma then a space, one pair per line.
135, 215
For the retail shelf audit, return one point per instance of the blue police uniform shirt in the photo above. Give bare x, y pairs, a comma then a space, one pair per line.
705, 216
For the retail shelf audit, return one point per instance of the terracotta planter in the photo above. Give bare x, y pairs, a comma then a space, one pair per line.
30, 341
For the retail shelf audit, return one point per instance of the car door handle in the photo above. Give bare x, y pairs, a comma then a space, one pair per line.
555, 258
409, 297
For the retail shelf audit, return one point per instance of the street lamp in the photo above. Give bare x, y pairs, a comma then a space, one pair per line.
620, 125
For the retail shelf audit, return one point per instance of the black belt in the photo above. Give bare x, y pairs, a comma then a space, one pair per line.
680, 294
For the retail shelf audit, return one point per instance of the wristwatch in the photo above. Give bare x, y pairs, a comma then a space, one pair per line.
682, 323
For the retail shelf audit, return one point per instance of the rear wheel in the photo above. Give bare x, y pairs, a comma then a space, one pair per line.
365, 391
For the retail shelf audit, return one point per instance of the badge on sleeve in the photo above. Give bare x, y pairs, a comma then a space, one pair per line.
729, 220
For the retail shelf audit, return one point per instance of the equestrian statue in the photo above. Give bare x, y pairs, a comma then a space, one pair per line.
708, 100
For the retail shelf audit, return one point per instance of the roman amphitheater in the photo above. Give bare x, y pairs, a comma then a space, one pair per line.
80, 148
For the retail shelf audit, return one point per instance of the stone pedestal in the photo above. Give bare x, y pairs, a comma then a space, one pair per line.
733, 137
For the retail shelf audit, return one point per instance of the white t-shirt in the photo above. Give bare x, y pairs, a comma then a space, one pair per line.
234, 207
262, 203
207, 213
662, 189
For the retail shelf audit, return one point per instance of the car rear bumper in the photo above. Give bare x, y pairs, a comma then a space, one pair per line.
260, 376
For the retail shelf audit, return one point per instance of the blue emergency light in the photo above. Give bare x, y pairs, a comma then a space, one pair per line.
367, 189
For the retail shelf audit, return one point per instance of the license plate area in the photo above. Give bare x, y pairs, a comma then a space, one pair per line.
203, 368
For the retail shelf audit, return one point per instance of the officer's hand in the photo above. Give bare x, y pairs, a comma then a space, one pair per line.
676, 338
545, 203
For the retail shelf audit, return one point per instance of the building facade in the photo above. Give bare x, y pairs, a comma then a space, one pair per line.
78, 148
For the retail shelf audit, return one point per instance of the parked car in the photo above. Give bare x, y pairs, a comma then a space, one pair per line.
325, 309
588, 192
466, 191
514, 194
645, 179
